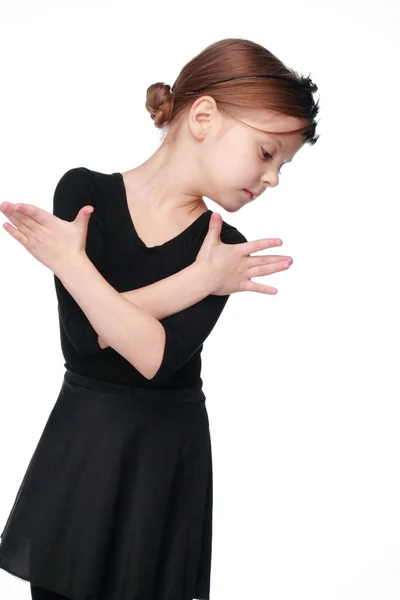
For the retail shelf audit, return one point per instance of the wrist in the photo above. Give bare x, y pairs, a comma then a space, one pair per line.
70, 265
203, 274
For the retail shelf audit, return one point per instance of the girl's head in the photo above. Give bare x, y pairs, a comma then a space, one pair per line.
240, 114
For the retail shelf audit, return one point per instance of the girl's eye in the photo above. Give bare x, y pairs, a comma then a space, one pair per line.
267, 155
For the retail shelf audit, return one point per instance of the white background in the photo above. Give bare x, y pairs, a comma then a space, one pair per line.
302, 387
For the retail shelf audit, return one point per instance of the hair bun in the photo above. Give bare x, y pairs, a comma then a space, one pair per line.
159, 102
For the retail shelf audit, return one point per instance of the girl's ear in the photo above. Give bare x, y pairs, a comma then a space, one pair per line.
201, 115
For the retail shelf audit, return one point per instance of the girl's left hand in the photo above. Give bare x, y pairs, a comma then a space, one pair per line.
53, 242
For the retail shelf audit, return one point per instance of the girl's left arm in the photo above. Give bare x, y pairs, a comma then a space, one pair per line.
60, 245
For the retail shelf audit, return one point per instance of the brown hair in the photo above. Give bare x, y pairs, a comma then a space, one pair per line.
286, 92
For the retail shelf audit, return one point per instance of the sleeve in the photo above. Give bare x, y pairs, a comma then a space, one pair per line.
74, 190
186, 330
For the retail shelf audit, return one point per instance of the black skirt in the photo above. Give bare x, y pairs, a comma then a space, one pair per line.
116, 502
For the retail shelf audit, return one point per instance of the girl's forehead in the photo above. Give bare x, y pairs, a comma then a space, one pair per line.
272, 122
281, 130
268, 123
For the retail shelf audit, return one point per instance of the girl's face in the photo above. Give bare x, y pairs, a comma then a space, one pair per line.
244, 152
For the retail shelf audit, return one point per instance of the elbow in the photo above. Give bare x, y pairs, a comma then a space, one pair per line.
149, 373
153, 372
154, 358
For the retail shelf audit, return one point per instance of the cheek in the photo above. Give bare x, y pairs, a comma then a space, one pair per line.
235, 168
231, 162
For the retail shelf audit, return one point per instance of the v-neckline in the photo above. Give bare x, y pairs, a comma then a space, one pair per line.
132, 224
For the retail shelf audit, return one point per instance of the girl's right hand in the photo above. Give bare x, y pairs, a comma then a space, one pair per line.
230, 266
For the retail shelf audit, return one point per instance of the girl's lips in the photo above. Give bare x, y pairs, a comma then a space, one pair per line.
249, 194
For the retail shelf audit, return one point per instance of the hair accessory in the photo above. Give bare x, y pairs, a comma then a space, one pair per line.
242, 77
304, 82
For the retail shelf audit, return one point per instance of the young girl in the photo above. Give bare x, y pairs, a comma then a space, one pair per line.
116, 503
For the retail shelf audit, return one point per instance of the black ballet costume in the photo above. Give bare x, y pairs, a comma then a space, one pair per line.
116, 502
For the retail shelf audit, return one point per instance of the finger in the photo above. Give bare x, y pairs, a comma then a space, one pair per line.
257, 245
262, 259
252, 286
16, 234
33, 212
262, 270
11, 215
15, 219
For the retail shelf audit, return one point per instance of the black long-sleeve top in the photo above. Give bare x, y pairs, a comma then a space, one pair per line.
123, 259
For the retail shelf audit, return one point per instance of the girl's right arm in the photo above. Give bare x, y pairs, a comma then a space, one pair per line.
174, 293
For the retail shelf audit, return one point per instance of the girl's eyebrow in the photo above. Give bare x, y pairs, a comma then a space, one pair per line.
271, 136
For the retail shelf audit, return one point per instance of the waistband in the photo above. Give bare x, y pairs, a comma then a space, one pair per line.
193, 394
